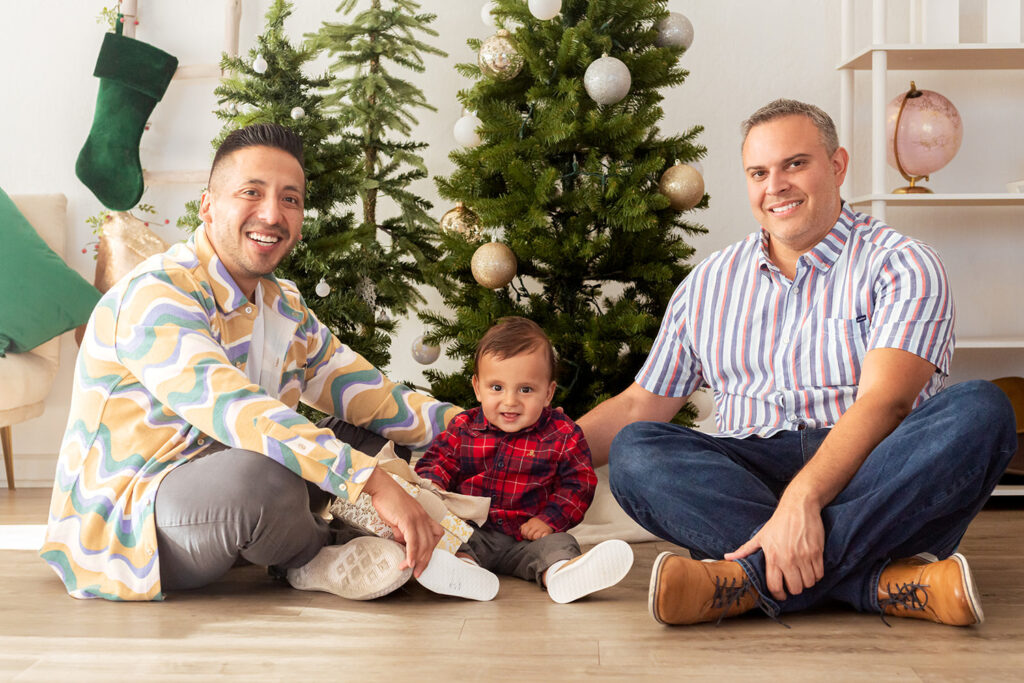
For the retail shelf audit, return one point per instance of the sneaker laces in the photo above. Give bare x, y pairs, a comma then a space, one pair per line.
906, 596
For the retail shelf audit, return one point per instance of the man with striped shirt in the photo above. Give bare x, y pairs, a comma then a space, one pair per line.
841, 470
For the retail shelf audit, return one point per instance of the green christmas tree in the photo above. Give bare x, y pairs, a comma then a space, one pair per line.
356, 285
376, 109
572, 188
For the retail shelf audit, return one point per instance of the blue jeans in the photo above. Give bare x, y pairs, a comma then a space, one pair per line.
916, 492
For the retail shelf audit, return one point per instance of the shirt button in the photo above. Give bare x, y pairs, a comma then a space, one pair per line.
248, 309
238, 363
201, 441
501, 522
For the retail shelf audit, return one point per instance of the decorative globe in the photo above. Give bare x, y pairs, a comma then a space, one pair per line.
929, 135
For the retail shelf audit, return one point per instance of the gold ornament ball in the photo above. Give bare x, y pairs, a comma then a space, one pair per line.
493, 265
499, 57
461, 221
683, 185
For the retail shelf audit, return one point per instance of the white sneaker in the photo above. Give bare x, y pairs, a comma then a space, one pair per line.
450, 575
362, 569
601, 567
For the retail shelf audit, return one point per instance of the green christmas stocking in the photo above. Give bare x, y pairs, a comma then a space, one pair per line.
133, 77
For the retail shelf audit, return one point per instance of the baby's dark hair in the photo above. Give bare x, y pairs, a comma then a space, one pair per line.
511, 336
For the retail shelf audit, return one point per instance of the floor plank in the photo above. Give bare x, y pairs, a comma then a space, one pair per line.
249, 627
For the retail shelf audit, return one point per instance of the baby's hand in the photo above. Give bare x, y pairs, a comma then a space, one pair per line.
535, 528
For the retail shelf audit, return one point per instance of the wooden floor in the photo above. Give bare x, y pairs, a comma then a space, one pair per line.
247, 627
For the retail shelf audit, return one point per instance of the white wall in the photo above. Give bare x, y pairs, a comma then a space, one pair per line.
744, 54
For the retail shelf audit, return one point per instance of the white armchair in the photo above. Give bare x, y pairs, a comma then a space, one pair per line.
26, 378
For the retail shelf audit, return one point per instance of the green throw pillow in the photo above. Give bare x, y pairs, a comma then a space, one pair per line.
42, 296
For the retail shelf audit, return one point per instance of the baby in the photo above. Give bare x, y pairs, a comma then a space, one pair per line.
534, 464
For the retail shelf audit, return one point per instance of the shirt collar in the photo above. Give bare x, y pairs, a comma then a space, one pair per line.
480, 423
827, 251
226, 292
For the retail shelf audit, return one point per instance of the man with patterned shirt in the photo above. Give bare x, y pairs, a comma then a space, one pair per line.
840, 470
534, 465
184, 452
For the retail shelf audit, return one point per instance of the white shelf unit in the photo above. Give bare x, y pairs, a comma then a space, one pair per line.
881, 57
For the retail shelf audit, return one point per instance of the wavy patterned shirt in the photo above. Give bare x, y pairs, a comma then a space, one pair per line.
161, 377
542, 471
782, 355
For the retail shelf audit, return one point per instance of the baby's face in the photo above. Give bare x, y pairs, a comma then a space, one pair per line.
514, 391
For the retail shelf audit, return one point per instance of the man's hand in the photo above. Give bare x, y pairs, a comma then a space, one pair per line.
793, 541
406, 517
535, 528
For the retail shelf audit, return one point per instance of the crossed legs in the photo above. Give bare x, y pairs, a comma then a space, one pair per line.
916, 492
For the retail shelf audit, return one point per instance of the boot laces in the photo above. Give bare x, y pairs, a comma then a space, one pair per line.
728, 594
910, 596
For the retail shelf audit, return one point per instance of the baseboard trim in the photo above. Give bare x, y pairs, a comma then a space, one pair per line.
32, 470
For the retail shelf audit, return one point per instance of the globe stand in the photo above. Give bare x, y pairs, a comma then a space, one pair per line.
912, 188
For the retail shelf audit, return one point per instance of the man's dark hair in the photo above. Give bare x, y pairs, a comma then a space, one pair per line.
512, 336
783, 107
259, 135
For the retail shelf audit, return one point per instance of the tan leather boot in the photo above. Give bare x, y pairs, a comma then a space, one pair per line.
943, 592
686, 591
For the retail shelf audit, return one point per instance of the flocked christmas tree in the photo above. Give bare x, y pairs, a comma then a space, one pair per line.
376, 107
564, 167
357, 285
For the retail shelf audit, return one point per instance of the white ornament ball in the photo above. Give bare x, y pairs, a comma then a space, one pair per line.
683, 186
322, 288
545, 9
465, 130
607, 80
424, 353
298, 113
259, 65
675, 30
493, 265
485, 13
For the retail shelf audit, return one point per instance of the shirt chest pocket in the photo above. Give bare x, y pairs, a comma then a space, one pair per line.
837, 350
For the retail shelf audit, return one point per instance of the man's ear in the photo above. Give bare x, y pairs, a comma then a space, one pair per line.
840, 165
206, 207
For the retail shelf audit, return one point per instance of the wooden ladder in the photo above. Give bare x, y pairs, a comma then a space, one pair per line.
232, 20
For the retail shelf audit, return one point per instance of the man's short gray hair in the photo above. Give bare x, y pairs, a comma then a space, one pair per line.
783, 107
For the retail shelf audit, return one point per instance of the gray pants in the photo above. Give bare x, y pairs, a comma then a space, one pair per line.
233, 505
500, 553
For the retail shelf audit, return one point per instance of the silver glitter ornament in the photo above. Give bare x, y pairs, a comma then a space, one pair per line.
607, 80
675, 30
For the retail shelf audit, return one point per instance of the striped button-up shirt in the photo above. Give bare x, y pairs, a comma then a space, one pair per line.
782, 355
161, 377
